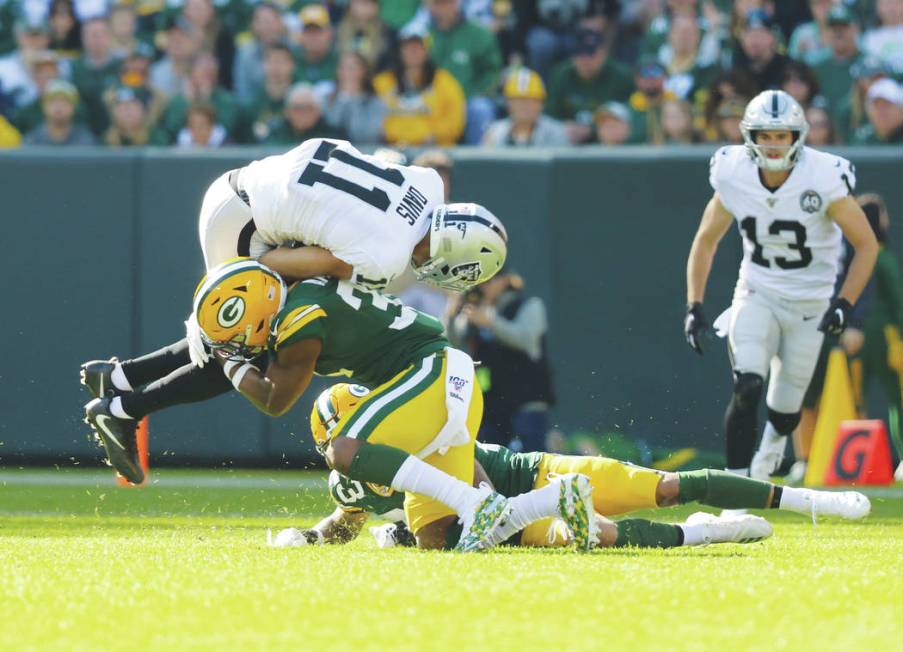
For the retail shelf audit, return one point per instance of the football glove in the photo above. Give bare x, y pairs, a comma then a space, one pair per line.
196, 349
293, 537
837, 318
695, 326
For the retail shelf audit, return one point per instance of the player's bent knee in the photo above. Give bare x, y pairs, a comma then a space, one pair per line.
667, 493
783, 422
341, 452
748, 390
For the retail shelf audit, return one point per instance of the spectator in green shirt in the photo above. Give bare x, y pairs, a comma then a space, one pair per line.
302, 119
470, 52
834, 72
94, 71
265, 107
202, 86
318, 60
45, 68
590, 78
131, 125
884, 107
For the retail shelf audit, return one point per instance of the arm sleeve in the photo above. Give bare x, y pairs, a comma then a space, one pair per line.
840, 180
525, 331
715, 165
343, 499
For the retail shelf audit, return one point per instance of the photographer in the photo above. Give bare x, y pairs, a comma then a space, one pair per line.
506, 332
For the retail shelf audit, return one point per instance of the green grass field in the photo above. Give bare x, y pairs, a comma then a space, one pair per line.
183, 565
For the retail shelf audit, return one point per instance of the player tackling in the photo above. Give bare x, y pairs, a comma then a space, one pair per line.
792, 205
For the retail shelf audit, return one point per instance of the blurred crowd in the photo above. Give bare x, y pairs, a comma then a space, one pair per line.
207, 73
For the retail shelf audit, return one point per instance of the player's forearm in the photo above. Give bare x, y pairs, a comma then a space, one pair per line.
266, 395
337, 528
860, 271
305, 262
699, 265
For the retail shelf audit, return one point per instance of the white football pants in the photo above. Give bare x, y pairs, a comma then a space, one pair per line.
225, 227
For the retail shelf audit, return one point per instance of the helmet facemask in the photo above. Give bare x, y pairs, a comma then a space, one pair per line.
774, 111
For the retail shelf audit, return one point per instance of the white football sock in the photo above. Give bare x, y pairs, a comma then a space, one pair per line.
796, 500
418, 477
528, 508
744, 471
120, 382
694, 535
771, 436
116, 409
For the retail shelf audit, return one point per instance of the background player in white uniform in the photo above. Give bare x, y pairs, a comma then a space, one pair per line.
366, 220
792, 205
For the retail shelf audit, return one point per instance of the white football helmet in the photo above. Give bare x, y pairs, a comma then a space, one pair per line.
777, 111
468, 245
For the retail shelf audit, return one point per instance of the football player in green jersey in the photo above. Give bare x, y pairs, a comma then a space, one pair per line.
619, 488
415, 430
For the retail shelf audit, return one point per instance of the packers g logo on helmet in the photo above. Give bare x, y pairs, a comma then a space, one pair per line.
331, 405
234, 305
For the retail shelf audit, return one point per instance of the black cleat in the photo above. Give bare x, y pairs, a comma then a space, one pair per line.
95, 375
118, 437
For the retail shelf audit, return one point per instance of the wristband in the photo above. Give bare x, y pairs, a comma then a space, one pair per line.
238, 375
229, 365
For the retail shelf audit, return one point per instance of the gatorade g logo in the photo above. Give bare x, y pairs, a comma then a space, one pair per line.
231, 312
851, 455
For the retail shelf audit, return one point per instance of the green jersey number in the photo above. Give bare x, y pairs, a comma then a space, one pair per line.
358, 298
350, 494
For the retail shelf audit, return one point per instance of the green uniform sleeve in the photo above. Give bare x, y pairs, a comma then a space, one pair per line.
345, 492
296, 323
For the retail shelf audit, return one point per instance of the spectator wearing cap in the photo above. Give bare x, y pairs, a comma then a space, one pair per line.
318, 60
758, 55
584, 82
302, 118
135, 73
525, 125
886, 42
45, 67
471, 53
687, 66
613, 124
426, 104
646, 103
131, 125
65, 29
16, 82
265, 108
59, 102
850, 114
181, 44
834, 72
354, 107
95, 70
201, 129
267, 29
362, 30
884, 107
809, 42
202, 87
215, 38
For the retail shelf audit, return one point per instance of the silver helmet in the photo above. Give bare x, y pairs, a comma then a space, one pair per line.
468, 245
776, 111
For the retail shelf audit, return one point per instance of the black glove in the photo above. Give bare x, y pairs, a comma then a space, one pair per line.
837, 318
695, 326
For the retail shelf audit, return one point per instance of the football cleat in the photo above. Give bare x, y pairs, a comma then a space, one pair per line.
850, 505
767, 460
731, 529
385, 535
490, 512
96, 376
293, 537
118, 437
575, 506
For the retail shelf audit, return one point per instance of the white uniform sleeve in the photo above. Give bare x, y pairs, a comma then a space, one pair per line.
716, 167
840, 179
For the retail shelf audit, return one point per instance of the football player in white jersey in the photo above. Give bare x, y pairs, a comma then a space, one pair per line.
363, 219
792, 205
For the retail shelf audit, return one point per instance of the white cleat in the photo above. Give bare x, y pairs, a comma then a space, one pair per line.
385, 535
287, 538
745, 528
850, 505
767, 460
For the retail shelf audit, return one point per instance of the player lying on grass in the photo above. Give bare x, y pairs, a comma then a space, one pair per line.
368, 219
416, 429
618, 488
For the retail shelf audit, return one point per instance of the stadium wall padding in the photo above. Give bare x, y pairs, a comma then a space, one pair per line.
102, 257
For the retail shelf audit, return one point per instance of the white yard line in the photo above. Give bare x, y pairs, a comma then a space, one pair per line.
104, 479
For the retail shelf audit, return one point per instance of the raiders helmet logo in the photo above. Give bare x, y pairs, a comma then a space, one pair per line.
810, 201
467, 272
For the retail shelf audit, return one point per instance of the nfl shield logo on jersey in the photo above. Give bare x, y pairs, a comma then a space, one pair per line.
810, 201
